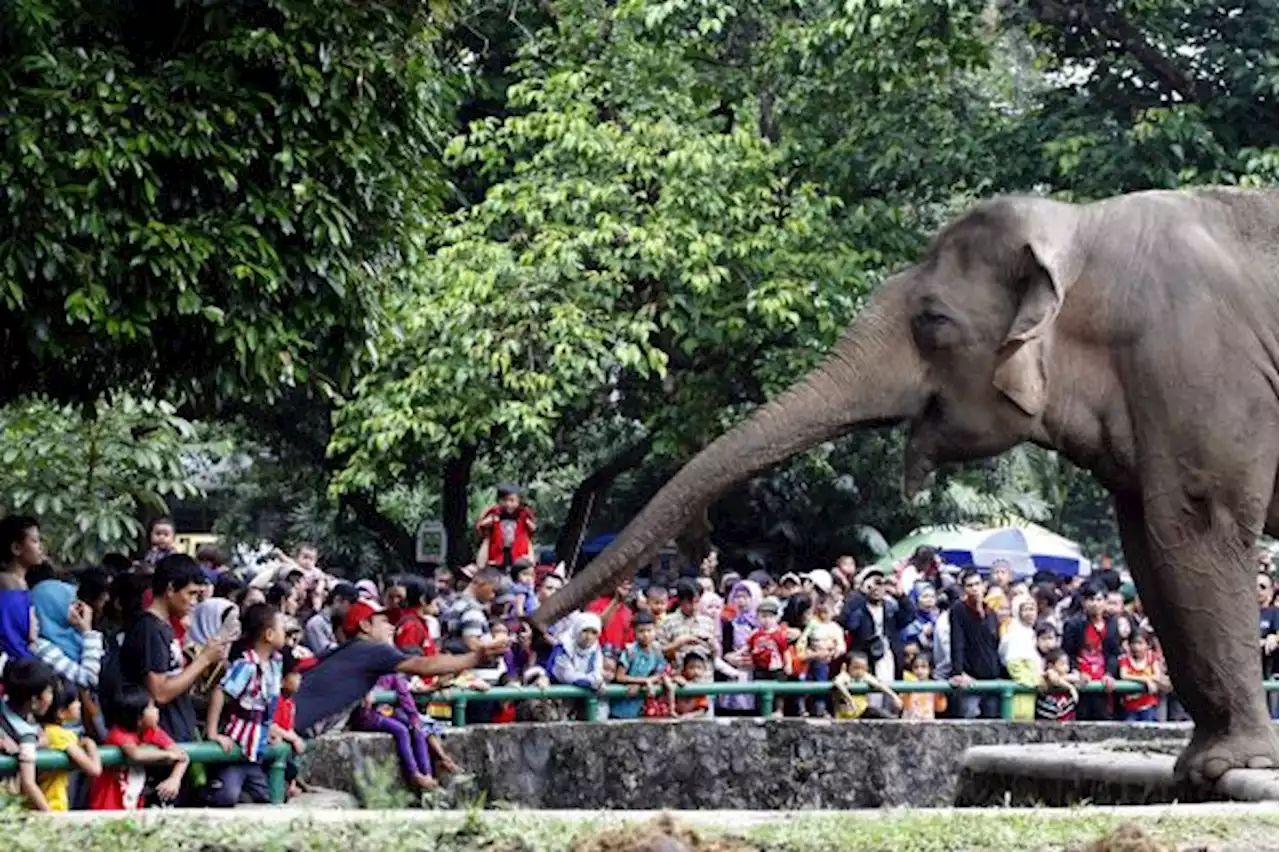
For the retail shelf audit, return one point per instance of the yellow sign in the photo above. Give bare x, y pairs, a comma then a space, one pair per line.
189, 543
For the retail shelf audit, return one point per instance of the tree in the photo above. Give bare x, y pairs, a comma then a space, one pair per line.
638, 252
1153, 95
90, 476
201, 197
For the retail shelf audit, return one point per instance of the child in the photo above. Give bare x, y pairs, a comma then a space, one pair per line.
1141, 665
524, 602
282, 720
160, 537
857, 672
922, 706
659, 600
249, 691
28, 692
135, 728
64, 713
823, 643
690, 706
506, 528
643, 669
1057, 702
767, 645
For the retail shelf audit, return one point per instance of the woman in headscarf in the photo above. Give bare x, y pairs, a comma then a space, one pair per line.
66, 640
578, 659
920, 631
1020, 655
744, 597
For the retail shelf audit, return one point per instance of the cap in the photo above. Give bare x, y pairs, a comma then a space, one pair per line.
770, 604
358, 612
821, 579
789, 577
870, 571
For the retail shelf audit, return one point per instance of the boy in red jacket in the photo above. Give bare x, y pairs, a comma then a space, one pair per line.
507, 528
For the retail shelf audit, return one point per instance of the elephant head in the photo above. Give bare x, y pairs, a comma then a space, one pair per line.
957, 345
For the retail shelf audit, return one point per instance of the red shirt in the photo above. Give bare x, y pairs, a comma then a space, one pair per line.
1129, 668
412, 634
617, 632
285, 712
1091, 661
119, 788
768, 649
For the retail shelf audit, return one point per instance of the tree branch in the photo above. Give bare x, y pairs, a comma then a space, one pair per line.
1112, 26
569, 541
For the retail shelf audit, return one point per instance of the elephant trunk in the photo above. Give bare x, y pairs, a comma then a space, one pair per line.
872, 376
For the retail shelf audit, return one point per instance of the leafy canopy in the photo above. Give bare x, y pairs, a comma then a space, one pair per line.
203, 195
89, 475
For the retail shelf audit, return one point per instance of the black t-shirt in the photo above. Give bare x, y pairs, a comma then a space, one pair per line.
1268, 623
150, 646
339, 681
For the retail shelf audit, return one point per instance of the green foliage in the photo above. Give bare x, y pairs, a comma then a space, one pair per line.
206, 196
90, 475
1160, 94
631, 249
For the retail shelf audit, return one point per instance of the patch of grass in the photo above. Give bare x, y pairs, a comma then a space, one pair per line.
515, 831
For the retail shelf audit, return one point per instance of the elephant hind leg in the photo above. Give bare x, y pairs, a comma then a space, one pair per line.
1196, 578
1271, 526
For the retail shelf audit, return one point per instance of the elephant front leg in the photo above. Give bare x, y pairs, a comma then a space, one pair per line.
1195, 576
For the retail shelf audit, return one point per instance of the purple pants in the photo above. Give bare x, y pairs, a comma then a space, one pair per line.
411, 742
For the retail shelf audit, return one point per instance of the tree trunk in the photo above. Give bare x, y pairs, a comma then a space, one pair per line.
455, 490
399, 542
588, 493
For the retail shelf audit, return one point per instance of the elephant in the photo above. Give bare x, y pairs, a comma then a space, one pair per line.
1136, 336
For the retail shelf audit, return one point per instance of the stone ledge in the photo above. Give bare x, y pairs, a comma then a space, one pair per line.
788, 764
1060, 775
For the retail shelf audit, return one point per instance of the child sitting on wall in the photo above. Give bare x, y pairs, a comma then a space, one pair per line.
62, 715
28, 692
694, 671
1059, 696
135, 729
857, 705
643, 670
921, 706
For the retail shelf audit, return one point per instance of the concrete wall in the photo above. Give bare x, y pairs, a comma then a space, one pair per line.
727, 764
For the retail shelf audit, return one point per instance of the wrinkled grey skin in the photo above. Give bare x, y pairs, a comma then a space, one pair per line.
1136, 335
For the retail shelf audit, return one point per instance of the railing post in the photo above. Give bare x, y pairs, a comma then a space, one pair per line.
460, 710
276, 776
593, 706
766, 703
1006, 703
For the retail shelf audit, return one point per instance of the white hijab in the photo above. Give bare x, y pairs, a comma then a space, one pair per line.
1019, 640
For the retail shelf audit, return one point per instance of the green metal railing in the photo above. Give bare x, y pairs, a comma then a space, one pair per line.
766, 691
203, 753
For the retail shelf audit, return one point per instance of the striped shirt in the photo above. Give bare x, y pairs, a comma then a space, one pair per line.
83, 674
252, 687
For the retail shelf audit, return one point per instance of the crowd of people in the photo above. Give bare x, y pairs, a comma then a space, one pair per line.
170, 649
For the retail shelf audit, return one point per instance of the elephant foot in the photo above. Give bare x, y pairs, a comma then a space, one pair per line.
1209, 756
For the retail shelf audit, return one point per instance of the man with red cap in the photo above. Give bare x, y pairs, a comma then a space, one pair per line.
342, 678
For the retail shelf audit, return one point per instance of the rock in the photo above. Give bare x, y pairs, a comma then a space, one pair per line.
326, 800
718, 764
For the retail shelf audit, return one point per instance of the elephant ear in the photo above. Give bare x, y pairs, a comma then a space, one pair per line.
1052, 263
